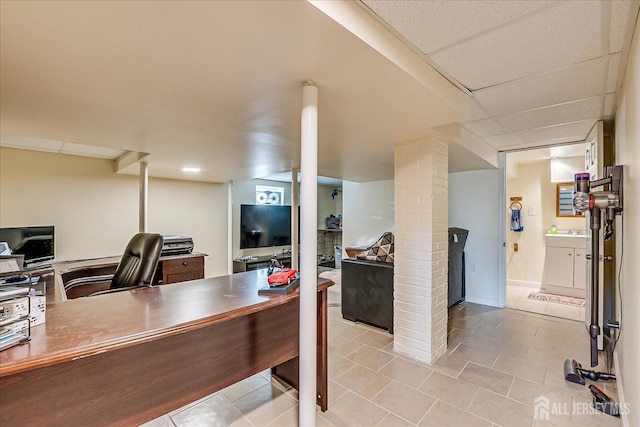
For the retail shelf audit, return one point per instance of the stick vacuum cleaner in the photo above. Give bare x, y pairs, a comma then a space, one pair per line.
594, 201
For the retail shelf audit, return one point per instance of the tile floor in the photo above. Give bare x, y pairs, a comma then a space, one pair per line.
517, 298
499, 361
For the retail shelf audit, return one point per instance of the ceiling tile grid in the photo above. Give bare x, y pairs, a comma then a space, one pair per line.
612, 73
484, 128
543, 41
503, 141
620, 12
552, 115
540, 70
421, 22
609, 104
568, 84
565, 132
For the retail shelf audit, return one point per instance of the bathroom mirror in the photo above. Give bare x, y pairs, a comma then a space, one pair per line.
564, 200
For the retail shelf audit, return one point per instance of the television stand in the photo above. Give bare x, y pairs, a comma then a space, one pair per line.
259, 262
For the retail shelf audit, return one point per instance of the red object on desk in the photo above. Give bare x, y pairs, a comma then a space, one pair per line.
283, 276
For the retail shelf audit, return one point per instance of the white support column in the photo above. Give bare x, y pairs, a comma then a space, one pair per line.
144, 195
295, 218
308, 254
230, 227
421, 243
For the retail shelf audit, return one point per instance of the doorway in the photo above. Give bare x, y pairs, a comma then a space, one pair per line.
544, 243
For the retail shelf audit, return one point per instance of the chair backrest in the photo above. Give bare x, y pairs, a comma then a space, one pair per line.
139, 261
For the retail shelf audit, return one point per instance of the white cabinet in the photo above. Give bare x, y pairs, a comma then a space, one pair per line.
558, 266
580, 268
565, 265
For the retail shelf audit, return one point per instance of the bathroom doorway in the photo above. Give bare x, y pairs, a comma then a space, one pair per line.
545, 271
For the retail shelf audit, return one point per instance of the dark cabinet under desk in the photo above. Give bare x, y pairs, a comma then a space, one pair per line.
256, 263
181, 268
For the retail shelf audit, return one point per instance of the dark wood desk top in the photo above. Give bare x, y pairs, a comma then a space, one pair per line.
86, 326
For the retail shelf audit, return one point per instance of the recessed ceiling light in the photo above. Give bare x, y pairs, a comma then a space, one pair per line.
191, 169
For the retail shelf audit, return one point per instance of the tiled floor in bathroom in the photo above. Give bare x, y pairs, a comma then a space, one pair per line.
499, 362
517, 299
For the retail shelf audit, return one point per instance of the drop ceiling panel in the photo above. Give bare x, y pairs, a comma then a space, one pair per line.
576, 82
483, 128
609, 104
555, 114
612, 74
501, 141
620, 11
421, 22
543, 41
566, 132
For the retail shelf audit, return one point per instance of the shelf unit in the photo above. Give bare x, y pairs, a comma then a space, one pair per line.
15, 309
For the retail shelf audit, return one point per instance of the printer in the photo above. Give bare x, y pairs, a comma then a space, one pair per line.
176, 245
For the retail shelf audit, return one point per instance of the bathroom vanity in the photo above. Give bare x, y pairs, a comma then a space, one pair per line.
565, 266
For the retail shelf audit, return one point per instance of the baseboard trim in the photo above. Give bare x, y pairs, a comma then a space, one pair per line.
622, 403
524, 283
483, 301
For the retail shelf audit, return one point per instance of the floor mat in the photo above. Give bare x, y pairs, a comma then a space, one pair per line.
558, 299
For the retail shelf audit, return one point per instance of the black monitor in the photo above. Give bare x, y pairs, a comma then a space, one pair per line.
264, 226
35, 243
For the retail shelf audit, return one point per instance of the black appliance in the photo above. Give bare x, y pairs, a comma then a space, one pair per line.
35, 243
457, 240
176, 245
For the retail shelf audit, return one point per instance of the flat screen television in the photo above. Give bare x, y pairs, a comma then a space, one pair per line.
263, 226
35, 243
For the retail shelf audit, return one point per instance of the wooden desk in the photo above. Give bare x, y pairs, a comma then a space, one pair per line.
128, 357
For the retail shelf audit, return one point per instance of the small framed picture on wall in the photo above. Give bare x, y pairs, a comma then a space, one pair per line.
587, 159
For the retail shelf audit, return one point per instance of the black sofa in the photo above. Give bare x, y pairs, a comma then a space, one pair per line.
367, 292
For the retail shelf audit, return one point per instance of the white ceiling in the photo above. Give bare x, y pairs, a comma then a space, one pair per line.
542, 71
546, 153
218, 84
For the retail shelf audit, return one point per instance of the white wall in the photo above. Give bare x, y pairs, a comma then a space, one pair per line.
195, 209
95, 211
368, 211
627, 144
473, 205
564, 169
533, 184
327, 205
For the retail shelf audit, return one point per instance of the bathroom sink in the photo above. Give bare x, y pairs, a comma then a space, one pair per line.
566, 240
567, 233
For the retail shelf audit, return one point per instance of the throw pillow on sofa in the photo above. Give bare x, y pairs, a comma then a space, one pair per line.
381, 251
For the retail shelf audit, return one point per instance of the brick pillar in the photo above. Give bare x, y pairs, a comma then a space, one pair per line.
421, 242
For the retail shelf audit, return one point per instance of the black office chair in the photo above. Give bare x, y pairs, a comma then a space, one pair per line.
138, 264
